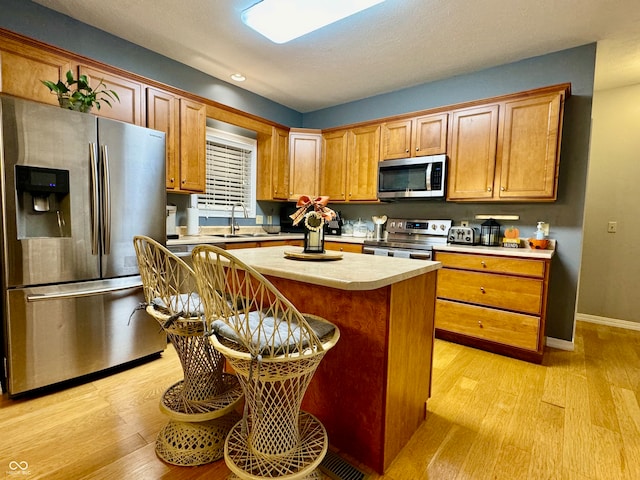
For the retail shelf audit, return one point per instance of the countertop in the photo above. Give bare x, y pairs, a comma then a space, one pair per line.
252, 236
353, 271
525, 252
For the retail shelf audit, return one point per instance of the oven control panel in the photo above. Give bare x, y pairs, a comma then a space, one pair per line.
419, 227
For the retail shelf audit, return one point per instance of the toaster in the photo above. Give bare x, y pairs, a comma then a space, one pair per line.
463, 235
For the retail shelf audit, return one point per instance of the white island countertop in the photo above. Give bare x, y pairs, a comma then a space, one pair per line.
353, 271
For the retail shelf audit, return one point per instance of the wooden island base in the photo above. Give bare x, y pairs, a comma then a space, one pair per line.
370, 391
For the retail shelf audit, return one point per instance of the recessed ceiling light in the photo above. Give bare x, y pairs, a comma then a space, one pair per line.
284, 20
238, 77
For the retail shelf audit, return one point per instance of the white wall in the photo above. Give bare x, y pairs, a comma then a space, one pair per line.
610, 271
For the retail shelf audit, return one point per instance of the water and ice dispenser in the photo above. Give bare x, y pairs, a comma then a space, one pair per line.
44, 207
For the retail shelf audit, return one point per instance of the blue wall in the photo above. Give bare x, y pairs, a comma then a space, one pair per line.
575, 66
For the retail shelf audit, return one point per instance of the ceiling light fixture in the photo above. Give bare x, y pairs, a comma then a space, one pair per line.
238, 77
284, 20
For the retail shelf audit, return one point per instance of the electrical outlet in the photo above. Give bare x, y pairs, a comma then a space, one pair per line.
612, 227
464, 223
259, 219
269, 219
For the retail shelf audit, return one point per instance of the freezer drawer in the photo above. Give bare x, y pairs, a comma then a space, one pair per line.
56, 333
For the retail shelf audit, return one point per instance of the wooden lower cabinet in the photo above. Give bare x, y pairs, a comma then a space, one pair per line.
493, 302
343, 247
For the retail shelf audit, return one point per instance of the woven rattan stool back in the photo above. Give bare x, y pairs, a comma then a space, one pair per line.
275, 350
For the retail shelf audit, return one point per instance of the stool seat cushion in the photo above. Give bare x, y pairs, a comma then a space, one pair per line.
187, 304
271, 332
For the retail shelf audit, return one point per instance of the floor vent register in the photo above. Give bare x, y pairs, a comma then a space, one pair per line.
337, 468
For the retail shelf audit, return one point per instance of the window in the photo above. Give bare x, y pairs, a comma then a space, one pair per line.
231, 175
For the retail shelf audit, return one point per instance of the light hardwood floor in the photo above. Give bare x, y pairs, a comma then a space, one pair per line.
577, 416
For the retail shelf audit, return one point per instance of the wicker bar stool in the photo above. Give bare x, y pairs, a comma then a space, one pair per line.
275, 350
201, 406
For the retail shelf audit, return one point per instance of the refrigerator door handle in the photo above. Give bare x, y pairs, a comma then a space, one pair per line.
81, 293
95, 215
106, 202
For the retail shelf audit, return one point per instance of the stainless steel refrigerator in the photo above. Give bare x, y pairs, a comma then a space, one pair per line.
75, 190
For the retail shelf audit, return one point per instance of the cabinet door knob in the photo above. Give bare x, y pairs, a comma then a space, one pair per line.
488, 189
482, 290
417, 149
406, 151
184, 180
502, 188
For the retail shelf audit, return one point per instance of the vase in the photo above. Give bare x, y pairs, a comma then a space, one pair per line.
314, 240
76, 106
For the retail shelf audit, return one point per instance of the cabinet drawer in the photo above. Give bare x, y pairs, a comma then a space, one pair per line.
491, 263
502, 291
507, 328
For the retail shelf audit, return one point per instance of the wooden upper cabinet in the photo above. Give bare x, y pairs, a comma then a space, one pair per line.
22, 68
362, 171
528, 154
130, 108
472, 153
395, 140
507, 151
333, 169
273, 165
163, 115
193, 137
305, 147
280, 166
414, 137
430, 135
184, 122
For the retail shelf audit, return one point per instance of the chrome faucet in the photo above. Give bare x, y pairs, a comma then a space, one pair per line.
233, 225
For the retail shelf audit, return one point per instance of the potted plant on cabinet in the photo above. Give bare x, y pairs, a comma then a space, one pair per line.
83, 98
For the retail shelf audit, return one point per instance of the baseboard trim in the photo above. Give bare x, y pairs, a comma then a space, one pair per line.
559, 344
611, 322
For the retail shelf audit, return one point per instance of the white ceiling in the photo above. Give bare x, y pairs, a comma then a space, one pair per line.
397, 44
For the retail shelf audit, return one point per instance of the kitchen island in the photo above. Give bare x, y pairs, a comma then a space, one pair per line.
371, 389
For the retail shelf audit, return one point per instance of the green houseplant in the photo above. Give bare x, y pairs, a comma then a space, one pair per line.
83, 97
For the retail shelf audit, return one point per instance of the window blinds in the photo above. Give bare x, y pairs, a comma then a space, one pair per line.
228, 176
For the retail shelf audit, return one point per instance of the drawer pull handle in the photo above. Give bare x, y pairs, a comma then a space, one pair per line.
480, 324
483, 264
482, 289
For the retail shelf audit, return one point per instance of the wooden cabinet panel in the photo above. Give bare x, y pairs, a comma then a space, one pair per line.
273, 165
333, 170
414, 137
342, 246
395, 139
184, 123
130, 108
472, 153
529, 150
304, 168
494, 264
501, 291
193, 131
508, 328
363, 157
22, 67
162, 114
430, 135
500, 301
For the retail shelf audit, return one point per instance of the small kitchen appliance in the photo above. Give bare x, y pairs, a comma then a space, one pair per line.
464, 235
334, 226
408, 238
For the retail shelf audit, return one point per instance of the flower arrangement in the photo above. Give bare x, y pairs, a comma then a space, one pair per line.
314, 211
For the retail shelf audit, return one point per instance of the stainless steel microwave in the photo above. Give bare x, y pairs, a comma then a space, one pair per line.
420, 177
